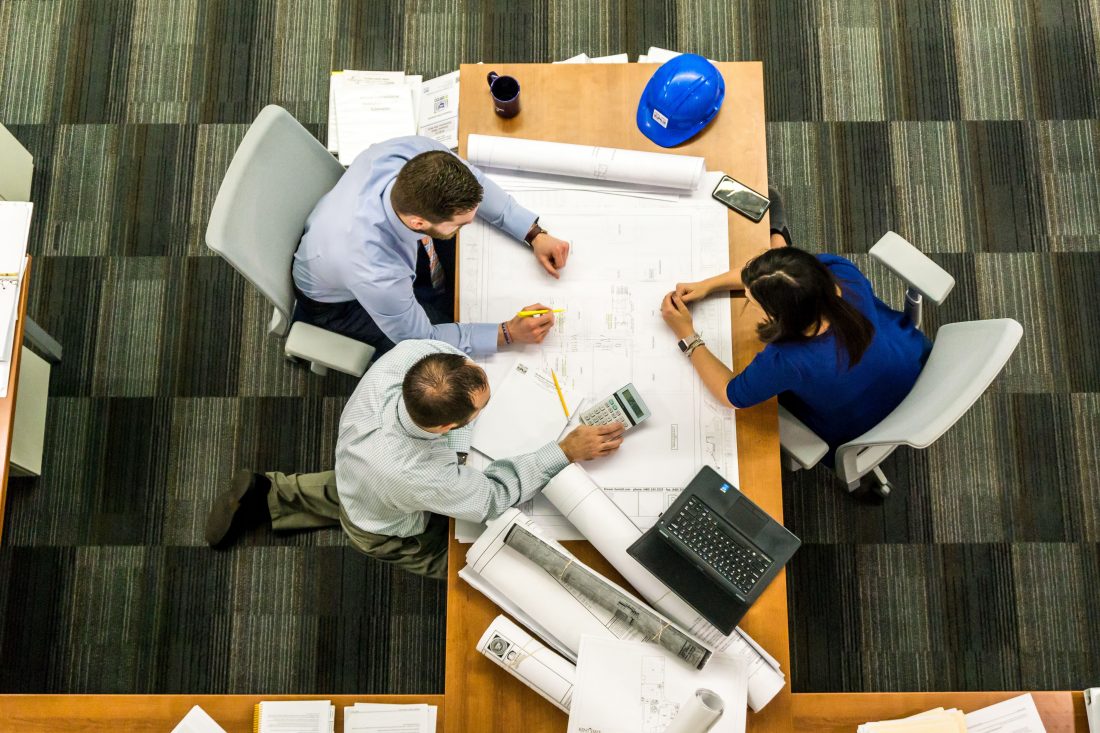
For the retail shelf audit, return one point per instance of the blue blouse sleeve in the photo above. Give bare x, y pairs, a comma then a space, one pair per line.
767, 375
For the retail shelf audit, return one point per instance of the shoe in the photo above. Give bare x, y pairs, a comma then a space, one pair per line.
242, 506
778, 216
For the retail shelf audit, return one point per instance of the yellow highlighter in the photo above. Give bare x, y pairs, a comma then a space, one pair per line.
560, 395
541, 312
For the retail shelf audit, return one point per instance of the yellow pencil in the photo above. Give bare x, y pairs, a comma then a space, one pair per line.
544, 311
560, 395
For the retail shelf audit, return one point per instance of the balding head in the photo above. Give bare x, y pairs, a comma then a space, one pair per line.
444, 390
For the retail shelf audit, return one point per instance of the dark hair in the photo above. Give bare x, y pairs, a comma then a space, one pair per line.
796, 292
439, 389
435, 185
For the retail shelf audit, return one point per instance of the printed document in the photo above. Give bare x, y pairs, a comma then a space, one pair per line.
627, 686
626, 254
524, 413
1016, 715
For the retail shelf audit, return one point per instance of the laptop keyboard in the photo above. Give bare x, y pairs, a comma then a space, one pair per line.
707, 536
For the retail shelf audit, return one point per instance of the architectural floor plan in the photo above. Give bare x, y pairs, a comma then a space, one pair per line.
626, 253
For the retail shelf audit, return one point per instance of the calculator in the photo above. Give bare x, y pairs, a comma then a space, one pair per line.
624, 405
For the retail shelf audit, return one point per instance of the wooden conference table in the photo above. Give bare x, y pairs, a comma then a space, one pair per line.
594, 104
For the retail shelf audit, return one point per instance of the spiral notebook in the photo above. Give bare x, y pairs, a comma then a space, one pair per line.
295, 716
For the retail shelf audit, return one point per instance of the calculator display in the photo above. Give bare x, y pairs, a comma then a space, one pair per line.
627, 395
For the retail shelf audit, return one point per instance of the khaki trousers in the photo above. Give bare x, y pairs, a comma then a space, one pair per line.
310, 501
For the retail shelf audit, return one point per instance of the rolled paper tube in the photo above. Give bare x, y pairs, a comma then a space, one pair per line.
699, 714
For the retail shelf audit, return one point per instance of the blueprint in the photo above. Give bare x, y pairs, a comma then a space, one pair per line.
627, 686
626, 254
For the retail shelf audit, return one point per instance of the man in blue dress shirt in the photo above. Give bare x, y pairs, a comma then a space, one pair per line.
376, 261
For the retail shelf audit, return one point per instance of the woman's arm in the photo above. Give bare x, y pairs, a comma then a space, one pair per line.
690, 292
712, 371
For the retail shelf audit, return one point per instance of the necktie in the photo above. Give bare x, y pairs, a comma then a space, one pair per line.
434, 265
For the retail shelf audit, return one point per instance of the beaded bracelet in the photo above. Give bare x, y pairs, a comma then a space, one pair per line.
507, 336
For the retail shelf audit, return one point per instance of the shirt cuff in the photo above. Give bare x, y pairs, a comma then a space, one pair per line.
551, 459
483, 338
519, 223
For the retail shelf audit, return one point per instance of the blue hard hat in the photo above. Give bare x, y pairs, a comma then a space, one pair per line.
681, 98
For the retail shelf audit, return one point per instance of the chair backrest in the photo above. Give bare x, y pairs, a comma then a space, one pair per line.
965, 359
277, 176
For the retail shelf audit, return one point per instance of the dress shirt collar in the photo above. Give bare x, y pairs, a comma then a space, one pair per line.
409, 425
402, 232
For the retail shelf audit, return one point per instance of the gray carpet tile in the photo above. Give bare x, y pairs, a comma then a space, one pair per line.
967, 126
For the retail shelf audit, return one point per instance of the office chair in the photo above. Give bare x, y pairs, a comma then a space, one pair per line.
965, 359
277, 176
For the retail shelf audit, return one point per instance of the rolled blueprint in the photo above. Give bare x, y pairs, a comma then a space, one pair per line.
603, 523
534, 596
660, 170
588, 585
698, 715
528, 660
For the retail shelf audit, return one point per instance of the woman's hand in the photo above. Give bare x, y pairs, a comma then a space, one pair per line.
677, 316
691, 292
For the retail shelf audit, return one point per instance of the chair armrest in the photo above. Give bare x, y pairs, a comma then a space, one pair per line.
327, 349
799, 442
912, 266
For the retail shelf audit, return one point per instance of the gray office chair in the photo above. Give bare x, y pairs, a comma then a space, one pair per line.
277, 176
965, 359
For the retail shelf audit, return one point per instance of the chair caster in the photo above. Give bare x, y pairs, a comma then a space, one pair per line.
874, 488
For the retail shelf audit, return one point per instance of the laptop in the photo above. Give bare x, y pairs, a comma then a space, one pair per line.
715, 549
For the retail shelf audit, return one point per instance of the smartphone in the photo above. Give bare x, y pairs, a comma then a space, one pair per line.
741, 198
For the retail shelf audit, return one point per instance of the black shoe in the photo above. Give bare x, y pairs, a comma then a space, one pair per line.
242, 506
779, 216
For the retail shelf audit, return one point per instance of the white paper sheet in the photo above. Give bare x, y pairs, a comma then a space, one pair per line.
626, 687
366, 717
529, 660
296, 716
353, 78
197, 721
369, 114
663, 170
1015, 715
626, 254
524, 413
580, 58
616, 58
438, 117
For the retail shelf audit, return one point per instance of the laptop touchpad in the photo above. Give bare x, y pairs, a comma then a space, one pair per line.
747, 518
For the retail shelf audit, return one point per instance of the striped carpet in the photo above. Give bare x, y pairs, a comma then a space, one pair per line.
970, 127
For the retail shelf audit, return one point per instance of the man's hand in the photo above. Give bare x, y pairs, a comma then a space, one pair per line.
551, 252
530, 329
691, 292
677, 316
586, 442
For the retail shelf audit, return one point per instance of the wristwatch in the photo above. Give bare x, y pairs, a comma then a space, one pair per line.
689, 345
534, 232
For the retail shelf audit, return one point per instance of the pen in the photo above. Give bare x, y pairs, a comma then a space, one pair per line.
542, 312
560, 395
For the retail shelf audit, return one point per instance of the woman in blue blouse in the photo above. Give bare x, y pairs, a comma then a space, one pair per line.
838, 357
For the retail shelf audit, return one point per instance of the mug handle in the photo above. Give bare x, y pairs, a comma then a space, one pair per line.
493, 76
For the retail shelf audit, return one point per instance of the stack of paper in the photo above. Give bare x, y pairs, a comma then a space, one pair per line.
295, 716
368, 107
657, 55
15, 227
930, 721
197, 721
378, 718
1015, 715
583, 58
